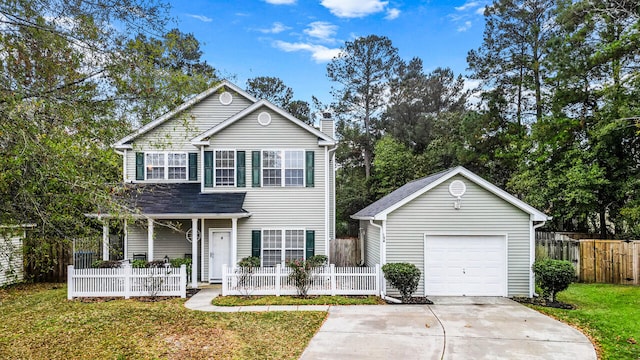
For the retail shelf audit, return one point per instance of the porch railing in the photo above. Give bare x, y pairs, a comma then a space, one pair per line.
127, 282
327, 280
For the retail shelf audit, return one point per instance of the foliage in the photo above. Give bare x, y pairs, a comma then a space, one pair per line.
246, 267
607, 313
156, 264
274, 90
553, 276
302, 270
139, 263
177, 262
37, 322
362, 69
394, 165
290, 300
249, 262
106, 264
404, 277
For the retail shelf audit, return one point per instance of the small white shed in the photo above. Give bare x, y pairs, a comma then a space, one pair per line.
466, 235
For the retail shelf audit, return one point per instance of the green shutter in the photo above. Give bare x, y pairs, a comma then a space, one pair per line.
310, 171
255, 169
139, 166
208, 169
310, 244
255, 243
193, 166
240, 169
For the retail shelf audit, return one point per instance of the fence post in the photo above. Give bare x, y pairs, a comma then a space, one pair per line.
70, 289
127, 280
332, 274
183, 281
277, 280
225, 284
378, 287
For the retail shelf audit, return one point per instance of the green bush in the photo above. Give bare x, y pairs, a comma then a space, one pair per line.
249, 262
106, 264
553, 276
317, 260
139, 263
301, 271
404, 277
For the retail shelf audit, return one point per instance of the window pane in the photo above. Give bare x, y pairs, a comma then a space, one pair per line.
294, 168
291, 255
177, 166
179, 173
225, 168
155, 166
294, 239
271, 257
271, 247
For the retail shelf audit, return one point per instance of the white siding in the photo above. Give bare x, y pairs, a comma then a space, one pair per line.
167, 241
481, 213
371, 243
11, 266
176, 134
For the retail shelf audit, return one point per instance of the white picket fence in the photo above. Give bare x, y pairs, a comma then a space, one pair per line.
327, 280
127, 282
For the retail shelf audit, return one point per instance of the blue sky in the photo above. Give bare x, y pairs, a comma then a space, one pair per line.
295, 39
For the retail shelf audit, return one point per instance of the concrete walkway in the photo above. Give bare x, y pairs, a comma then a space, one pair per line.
452, 328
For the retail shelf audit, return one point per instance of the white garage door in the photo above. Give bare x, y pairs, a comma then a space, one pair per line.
465, 265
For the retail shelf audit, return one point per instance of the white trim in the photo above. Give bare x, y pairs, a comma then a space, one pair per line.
235, 168
535, 214
228, 98
234, 240
283, 168
122, 143
194, 253
126, 239
322, 137
176, 216
211, 231
124, 165
150, 236
532, 255
462, 234
105, 240
203, 276
201, 166
326, 201
264, 118
166, 166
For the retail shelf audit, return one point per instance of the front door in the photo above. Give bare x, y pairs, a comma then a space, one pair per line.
219, 253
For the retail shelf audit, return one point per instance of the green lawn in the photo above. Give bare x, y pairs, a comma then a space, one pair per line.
610, 314
37, 322
292, 300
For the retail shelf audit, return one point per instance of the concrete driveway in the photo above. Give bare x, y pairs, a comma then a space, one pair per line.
452, 328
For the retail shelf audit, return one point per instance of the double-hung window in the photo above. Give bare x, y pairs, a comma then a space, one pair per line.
166, 166
225, 168
283, 168
280, 246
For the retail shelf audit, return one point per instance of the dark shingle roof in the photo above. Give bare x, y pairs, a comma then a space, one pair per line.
183, 199
399, 194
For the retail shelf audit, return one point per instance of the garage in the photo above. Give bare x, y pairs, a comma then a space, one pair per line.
467, 236
465, 265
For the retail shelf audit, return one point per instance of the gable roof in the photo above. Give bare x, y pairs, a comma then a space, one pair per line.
184, 198
399, 197
324, 139
123, 143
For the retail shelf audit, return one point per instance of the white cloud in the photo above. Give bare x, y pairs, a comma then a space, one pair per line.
392, 14
480, 10
280, 2
464, 27
276, 28
467, 5
200, 17
321, 30
354, 8
318, 52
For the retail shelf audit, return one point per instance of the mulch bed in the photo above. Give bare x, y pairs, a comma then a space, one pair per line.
190, 293
543, 302
415, 300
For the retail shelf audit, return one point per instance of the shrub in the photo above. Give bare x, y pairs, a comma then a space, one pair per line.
139, 263
301, 271
404, 277
249, 262
177, 262
245, 271
553, 276
106, 264
156, 264
317, 260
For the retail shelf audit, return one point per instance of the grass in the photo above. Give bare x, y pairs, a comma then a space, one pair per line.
37, 322
293, 300
609, 314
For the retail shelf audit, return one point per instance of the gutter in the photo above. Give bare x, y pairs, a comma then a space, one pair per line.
533, 256
383, 284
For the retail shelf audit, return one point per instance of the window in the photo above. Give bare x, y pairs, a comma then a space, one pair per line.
225, 168
163, 166
277, 162
281, 246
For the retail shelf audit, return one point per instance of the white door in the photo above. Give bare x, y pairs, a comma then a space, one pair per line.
219, 253
465, 265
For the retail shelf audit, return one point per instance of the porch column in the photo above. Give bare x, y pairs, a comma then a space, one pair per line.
105, 240
194, 253
126, 239
203, 277
234, 242
150, 239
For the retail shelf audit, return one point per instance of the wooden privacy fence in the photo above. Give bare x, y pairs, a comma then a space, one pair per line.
344, 251
600, 261
126, 282
327, 280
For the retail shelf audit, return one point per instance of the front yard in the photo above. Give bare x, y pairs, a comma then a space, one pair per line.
37, 322
610, 314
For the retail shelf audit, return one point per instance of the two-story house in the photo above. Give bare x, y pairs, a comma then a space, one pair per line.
225, 176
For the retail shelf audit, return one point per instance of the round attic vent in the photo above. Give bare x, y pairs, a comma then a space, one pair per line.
264, 118
457, 188
226, 98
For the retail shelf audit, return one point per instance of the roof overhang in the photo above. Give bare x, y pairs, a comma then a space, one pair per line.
173, 216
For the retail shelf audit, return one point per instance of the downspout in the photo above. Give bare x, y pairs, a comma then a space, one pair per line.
328, 153
383, 285
533, 256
